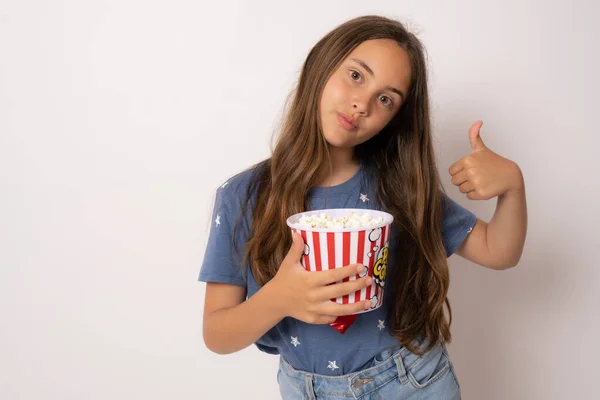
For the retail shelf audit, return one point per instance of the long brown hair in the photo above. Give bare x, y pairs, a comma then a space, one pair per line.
402, 159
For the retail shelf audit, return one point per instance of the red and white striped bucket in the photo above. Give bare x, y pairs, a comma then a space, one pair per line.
329, 248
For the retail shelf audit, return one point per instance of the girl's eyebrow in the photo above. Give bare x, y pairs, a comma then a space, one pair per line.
370, 71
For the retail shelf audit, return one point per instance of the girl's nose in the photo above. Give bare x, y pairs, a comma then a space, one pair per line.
359, 106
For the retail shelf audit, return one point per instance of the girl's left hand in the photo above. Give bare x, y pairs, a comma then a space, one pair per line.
484, 174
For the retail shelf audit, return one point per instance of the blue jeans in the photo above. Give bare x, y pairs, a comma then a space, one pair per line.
393, 374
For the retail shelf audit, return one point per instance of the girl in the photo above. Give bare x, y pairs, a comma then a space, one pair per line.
357, 135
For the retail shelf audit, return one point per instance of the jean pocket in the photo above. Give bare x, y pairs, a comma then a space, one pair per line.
289, 389
429, 368
453, 373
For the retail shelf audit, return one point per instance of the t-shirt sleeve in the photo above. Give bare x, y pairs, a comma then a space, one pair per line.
457, 223
219, 263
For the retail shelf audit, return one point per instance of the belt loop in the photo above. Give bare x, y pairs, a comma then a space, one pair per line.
401, 370
309, 387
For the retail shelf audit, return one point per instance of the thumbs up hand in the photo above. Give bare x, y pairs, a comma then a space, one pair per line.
484, 174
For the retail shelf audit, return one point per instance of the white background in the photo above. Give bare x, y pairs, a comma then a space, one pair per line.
119, 119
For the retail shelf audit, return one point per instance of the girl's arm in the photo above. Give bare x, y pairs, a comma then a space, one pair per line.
483, 175
499, 243
231, 324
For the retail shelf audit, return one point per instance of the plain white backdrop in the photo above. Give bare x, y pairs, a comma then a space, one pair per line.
119, 119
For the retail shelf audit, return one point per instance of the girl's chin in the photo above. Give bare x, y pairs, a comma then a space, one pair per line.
339, 139
340, 143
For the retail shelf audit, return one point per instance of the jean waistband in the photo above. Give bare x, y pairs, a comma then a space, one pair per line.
357, 383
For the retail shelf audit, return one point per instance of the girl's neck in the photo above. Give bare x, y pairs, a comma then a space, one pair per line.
344, 166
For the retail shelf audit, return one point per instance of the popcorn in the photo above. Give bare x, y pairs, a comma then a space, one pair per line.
351, 220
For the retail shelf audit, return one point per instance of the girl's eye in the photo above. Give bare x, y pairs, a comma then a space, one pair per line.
353, 74
387, 103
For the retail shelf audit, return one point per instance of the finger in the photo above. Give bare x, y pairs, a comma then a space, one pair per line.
456, 167
326, 319
329, 276
342, 289
460, 178
475, 137
473, 195
331, 308
467, 187
297, 249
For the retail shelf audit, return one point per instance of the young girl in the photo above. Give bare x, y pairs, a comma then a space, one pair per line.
357, 135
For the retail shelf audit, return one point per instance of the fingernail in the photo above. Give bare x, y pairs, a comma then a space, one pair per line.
367, 305
360, 268
369, 281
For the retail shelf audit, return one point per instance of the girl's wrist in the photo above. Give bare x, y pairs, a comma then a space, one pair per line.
273, 298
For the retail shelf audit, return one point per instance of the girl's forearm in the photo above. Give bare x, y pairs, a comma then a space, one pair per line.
232, 329
507, 229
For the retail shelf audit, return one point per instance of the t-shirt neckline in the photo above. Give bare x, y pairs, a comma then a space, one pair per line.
342, 188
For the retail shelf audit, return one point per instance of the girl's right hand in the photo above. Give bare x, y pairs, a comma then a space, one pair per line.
307, 295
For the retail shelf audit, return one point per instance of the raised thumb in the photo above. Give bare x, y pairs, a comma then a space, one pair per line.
475, 137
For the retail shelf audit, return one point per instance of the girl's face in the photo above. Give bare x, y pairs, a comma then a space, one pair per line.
365, 92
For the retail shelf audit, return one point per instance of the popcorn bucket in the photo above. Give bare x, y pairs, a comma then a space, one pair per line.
329, 248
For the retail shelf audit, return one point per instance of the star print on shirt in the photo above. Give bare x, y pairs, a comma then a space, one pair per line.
364, 197
381, 324
295, 341
225, 184
218, 220
332, 365
470, 229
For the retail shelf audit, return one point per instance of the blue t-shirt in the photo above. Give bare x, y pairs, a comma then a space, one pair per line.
312, 348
